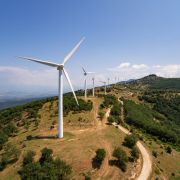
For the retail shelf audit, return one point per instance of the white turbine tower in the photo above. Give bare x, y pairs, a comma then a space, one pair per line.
104, 86
108, 81
85, 82
61, 69
93, 79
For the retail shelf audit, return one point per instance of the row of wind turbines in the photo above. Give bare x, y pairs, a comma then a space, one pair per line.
61, 70
93, 80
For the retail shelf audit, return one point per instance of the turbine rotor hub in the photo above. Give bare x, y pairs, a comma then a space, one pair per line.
60, 67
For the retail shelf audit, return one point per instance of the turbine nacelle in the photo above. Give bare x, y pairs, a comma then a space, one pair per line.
60, 67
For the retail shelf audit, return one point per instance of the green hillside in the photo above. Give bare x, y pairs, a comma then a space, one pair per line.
159, 83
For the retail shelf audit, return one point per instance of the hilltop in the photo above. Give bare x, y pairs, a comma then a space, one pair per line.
153, 81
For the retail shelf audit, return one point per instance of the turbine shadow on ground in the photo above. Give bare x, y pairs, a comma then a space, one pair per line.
41, 137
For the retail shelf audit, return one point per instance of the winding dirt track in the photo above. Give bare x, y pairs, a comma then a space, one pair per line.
147, 163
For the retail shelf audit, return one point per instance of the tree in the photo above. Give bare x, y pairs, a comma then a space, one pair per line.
130, 141
29, 157
12, 152
120, 154
3, 139
101, 114
98, 159
134, 154
46, 155
31, 171
111, 119
169, 149
122, 158
46, 168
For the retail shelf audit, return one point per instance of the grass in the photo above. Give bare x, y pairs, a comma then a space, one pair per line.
77, 147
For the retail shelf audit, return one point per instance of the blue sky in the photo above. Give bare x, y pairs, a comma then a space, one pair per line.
124, 38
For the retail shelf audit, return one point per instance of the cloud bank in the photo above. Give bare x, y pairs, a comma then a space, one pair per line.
15, 77
126, 70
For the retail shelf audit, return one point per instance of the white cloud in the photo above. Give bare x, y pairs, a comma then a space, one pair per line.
124, 65
133, 71
23, 76
139, 66
12, 77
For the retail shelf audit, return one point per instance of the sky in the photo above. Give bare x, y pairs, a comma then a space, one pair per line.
126, 39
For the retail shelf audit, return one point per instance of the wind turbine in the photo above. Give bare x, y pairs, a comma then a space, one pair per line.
108, 81
85, 82
61, 69
104, 86
93, 79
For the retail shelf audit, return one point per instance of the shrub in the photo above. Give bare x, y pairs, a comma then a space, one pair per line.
11, 155
29, 137
122, 165
154, 153
87, 177
49, 169
29, 157
111, 119
120, 154
134, 154
46, 155
101, 114
130, 141
98, 159
168, 150
122, 158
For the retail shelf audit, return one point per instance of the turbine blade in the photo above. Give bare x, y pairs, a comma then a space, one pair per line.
90, 72
69, 81
72, 51
40, 61
84, 70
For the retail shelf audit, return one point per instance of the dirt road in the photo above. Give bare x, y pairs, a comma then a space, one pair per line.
147, 164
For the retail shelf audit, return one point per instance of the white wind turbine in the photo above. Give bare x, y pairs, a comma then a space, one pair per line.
108, 81
104, 86
85, 82
93, 79
61, 69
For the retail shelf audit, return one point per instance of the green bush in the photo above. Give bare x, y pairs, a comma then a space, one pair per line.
168, 149
98, 159
46, 155
154, 153
47, 169
120, 154
11, 155
29, 158
101, 115
122, 158
130, 141
134, 154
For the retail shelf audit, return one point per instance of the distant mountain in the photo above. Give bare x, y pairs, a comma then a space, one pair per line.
11, 99
155, 82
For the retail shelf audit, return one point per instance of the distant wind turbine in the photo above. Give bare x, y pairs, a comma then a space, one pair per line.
104, 86
85, 82
93, 79
108, 81
61, 69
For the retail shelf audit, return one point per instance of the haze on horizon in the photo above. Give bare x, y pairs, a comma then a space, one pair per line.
126, 39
